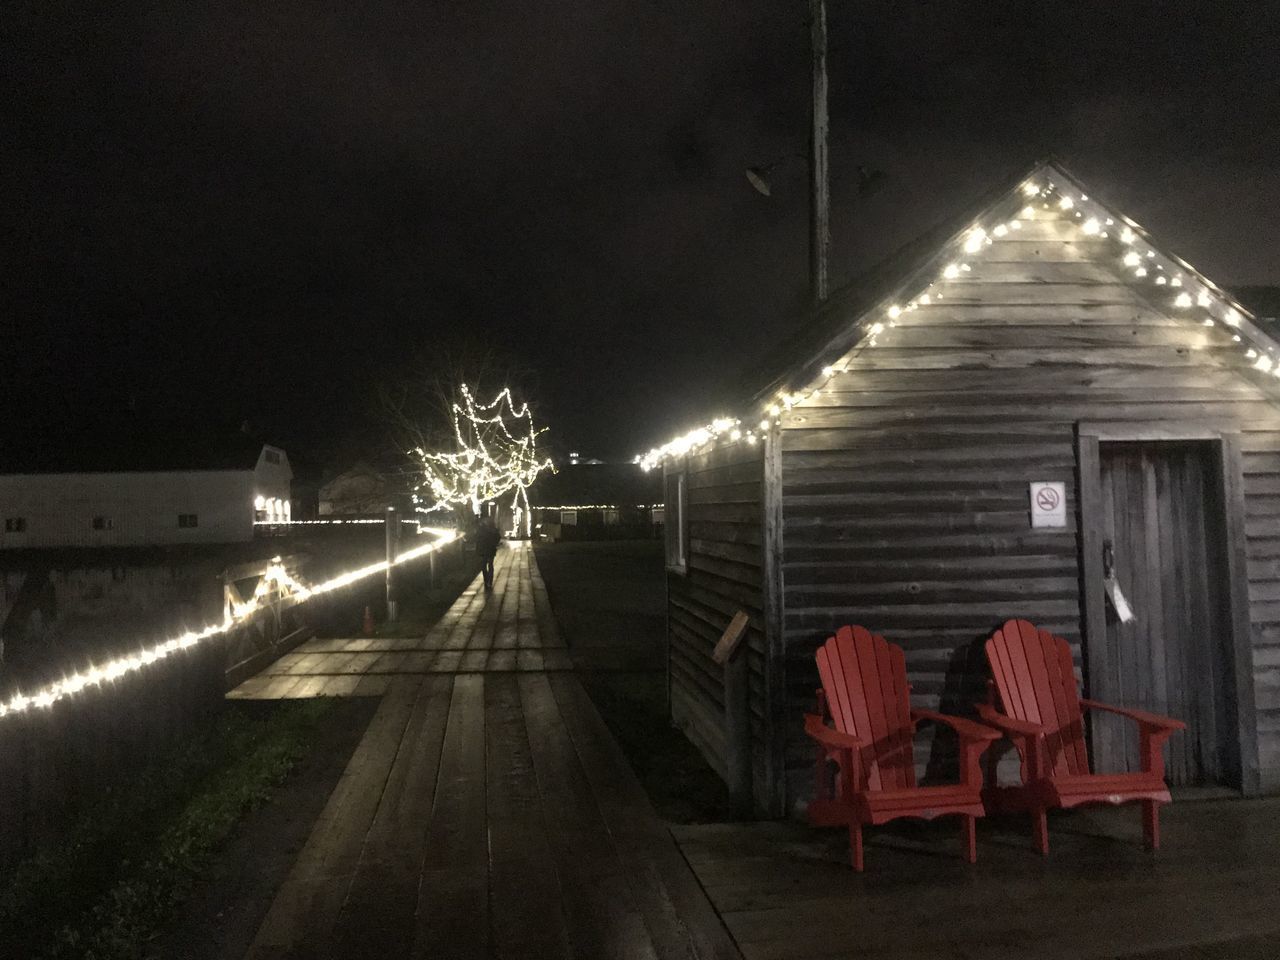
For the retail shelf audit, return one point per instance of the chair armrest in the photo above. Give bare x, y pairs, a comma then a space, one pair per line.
964, 728
828, 737
1019, 728
1141, 717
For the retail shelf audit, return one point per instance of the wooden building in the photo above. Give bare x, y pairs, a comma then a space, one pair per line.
1032, 397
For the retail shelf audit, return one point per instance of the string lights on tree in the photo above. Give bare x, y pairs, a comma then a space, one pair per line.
1168, 281
496, 455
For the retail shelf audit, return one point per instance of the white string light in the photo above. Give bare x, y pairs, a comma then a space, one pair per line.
275, 579
1090, 218
599, 506
352, 521
490, 460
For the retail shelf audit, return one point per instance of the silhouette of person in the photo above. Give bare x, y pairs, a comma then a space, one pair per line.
486, 539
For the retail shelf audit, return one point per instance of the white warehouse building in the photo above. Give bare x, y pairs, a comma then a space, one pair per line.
169, 493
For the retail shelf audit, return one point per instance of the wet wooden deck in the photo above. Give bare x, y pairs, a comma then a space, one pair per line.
509, 630
487, 812
786, 891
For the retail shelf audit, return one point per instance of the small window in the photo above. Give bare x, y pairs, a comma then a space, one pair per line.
259, 516
15, 524
611, 517
102, 523
676, 528
657, 514
271, 456
569, 518
188, 521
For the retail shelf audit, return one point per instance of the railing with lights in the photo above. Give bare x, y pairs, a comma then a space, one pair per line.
275, 580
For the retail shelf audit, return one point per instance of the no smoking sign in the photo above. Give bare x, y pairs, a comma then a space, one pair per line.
1048, 503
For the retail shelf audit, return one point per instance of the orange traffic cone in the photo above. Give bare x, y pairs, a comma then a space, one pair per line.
368, 621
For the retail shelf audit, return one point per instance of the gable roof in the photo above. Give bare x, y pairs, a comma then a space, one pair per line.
855, 314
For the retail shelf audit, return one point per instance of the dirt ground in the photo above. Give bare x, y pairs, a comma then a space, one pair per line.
610, 600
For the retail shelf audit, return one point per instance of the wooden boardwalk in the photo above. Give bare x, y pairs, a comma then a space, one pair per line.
1211, 893
510, 629
487, 812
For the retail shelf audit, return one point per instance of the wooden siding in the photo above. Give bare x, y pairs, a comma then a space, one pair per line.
724, 575
905, 493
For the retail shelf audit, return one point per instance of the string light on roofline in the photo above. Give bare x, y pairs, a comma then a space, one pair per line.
1090, 219
275, 579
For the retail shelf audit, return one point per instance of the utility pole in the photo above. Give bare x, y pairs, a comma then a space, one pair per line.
819, 173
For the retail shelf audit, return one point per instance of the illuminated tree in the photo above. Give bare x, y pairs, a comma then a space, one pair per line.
495, 455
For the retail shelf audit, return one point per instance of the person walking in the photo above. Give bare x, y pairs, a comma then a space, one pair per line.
487, 539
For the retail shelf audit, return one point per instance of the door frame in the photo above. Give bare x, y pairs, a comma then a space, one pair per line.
1241, 742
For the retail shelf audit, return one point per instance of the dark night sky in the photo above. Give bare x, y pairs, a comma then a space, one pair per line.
255, 209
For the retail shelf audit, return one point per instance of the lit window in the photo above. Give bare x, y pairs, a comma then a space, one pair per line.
188, 521
102, 523
15, 524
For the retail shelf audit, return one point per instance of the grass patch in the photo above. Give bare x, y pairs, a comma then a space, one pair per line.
119, 874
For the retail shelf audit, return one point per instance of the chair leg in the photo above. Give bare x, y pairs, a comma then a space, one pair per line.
969, 824
1151, 824
993, 768
855, 845
1040, 827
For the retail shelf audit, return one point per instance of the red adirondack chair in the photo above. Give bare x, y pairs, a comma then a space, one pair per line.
1043, 717
865, 695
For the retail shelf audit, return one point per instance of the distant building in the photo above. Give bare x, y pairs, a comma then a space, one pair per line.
113, 492
590, 500
361, 490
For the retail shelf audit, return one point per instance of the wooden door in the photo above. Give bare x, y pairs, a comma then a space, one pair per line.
1163, 520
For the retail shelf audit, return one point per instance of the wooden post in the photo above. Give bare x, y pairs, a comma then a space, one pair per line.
819, 174
392, 527
776, 703
737, 715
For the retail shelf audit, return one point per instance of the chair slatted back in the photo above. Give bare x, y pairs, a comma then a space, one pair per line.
1035, 677
864, 679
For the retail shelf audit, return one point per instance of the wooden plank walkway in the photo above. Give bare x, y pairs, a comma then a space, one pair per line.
487, 812
510, 629
787, 893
